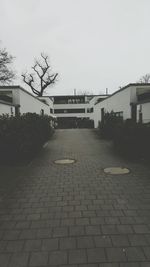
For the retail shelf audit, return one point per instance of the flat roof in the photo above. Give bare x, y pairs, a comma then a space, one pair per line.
75, 95
125, 87
6, 103
21, 88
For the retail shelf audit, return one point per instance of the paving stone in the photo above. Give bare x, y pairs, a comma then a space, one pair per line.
96, 255
22, 225
14, 246
76, 230
28, 234
124, 229
112, 220
32, 245
109, 265
77, 256
141, 229
58, 257
109, 229
11, 235
147, 252
33, 217
103, 241
44, 233
138, 240
68, 222
115, 255
120, 241
4, 259
87, 265
3, 246
82, 221
135, 254
60, 231
97, 220
144, 264
85, 242
59, 210
19, 260
50, 244
38, 259
93, 230
130, 264
67, 243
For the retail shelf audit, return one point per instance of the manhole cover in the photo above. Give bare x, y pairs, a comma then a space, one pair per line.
116, 170
64, 161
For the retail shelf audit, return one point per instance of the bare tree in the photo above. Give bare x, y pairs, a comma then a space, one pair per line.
6, 73
42, 76
145, 78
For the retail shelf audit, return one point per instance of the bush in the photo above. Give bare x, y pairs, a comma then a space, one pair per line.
130, 139
108, 125
22, 136
133, 140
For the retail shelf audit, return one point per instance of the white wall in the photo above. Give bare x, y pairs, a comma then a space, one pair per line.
31, 104
145, 109
7, 109
72, 106
119, 102
48, 101
92, 104
27, 102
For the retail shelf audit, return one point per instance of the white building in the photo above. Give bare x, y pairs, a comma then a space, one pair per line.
72, 110
23, 101
7, 108
124, 103
143, 107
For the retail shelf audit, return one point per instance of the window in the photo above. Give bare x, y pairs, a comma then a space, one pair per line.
11, 111
42, 112
77, 110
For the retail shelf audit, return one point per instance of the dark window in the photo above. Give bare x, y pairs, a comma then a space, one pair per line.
17, 111
77, 110
69, 100
42, 112
89, 110
51, 110
133, 112
118, 114
11, 110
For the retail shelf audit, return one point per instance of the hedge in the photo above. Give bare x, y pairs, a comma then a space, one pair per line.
133, 139
22, 136
130, 139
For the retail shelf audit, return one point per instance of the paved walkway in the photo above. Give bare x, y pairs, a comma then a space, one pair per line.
75, 215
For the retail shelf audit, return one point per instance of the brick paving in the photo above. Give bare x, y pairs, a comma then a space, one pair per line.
75, 215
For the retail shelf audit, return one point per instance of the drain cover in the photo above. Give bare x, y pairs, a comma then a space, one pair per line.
64, 161
116, 170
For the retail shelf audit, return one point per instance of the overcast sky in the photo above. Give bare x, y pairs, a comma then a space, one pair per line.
92, 44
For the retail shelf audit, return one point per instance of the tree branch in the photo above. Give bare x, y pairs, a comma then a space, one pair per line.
42, 71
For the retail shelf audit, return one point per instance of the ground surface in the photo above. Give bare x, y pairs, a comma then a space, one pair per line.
75, 215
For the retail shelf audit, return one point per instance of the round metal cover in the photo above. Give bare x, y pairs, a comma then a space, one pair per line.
116, 170
64, 161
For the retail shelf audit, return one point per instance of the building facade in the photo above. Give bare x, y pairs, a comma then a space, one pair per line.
7, 108
73, 111
124, 103
23, 101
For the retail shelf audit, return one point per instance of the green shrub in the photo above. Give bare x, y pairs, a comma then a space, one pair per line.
132, 139
22, 136
108, 125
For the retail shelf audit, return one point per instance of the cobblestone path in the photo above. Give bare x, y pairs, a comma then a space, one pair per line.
75, 215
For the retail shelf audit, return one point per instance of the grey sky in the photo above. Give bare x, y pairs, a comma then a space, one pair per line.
93, 44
